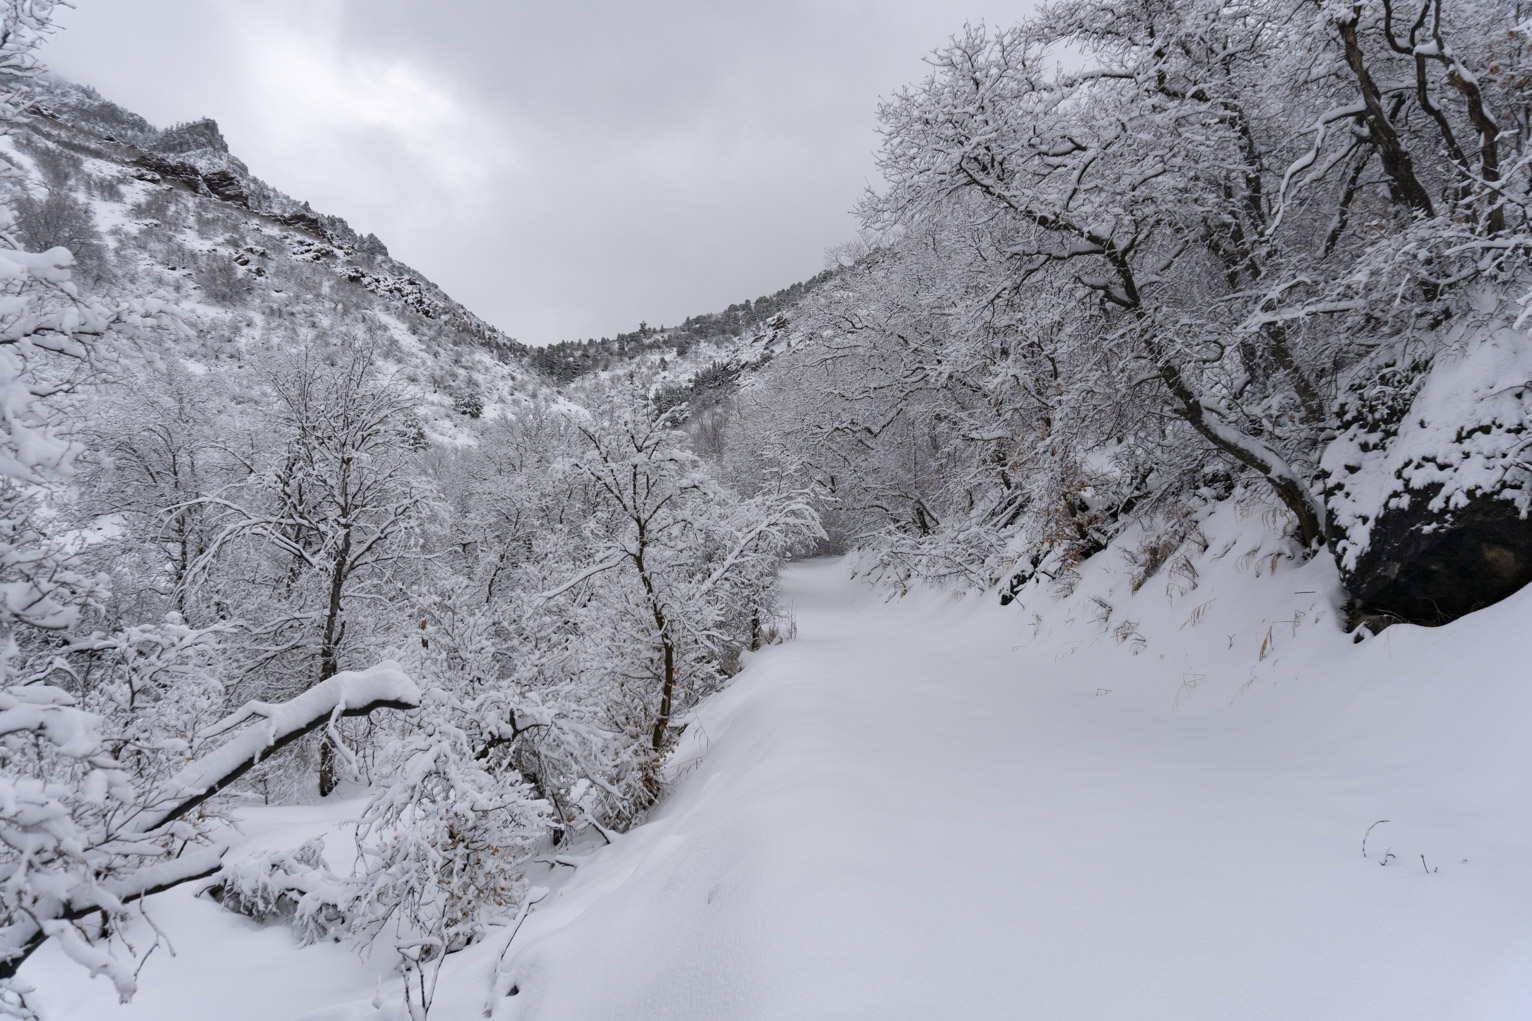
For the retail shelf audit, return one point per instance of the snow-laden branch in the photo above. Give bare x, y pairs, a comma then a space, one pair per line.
797, 516
349, 693
586, 575
101, 867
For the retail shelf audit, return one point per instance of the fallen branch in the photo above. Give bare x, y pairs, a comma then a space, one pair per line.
349, 693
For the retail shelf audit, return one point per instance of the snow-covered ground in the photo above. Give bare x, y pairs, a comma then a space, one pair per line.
915, 812
1111, 805
216, 964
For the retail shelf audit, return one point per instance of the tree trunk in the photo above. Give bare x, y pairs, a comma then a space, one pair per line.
1396, 160
668, 653
327, 780
329, 659
667, 692
1289, 489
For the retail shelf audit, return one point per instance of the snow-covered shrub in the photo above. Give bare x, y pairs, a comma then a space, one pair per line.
221, 280
295, 888
442, 842
57, 166
59, 220
157, 205
468, 403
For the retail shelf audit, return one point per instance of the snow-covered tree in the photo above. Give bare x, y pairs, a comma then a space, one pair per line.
677, 568
334, 522
1130, 254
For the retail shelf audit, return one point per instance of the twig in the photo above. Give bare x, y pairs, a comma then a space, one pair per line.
1368, 834
499, 992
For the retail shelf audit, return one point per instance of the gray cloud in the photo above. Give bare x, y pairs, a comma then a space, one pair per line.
565, 169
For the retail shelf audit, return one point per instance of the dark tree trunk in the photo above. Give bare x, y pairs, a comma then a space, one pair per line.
329, 659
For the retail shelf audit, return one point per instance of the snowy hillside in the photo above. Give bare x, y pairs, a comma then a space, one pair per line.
248, 270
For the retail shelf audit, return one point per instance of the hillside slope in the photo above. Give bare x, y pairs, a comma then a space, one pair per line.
246, 271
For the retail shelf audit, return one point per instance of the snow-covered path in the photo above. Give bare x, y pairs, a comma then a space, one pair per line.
908, 813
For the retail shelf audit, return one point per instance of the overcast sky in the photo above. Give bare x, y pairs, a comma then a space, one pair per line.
564, 169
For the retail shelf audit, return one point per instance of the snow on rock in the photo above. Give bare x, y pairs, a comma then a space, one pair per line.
1428, 485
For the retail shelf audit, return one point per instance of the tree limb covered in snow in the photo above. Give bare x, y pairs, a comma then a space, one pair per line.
130, 858
349, 693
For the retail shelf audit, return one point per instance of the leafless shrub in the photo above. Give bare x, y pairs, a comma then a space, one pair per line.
60, 220
221, 280
157, 205
104, 187
56, 166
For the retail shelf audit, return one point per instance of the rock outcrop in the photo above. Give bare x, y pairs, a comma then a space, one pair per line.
1429, 486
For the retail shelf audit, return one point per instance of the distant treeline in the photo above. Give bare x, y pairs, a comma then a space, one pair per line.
569, 359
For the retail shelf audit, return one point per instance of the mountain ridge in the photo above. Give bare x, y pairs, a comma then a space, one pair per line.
194, 155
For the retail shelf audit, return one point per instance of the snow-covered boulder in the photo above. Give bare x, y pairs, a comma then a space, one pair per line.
1428, 483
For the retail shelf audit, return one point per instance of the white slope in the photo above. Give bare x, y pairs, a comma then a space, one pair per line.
920, 811
1110, 805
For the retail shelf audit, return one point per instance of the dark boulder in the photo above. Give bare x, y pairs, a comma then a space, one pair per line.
167, 169
1427, 482
304, 219
1433, 567
226, 185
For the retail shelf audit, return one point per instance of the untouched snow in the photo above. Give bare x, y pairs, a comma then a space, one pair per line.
913, 812
1112, 805
219, 965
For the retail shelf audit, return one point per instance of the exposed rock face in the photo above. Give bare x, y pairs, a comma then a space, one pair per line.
226, 185
189, 138
162, 168
1428, 483
1431, 567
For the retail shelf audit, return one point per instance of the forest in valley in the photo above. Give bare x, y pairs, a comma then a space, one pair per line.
280, 519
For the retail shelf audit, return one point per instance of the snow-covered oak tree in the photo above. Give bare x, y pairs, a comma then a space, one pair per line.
156, 449
330, 525
1128, 254
1133, 183
676, 563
